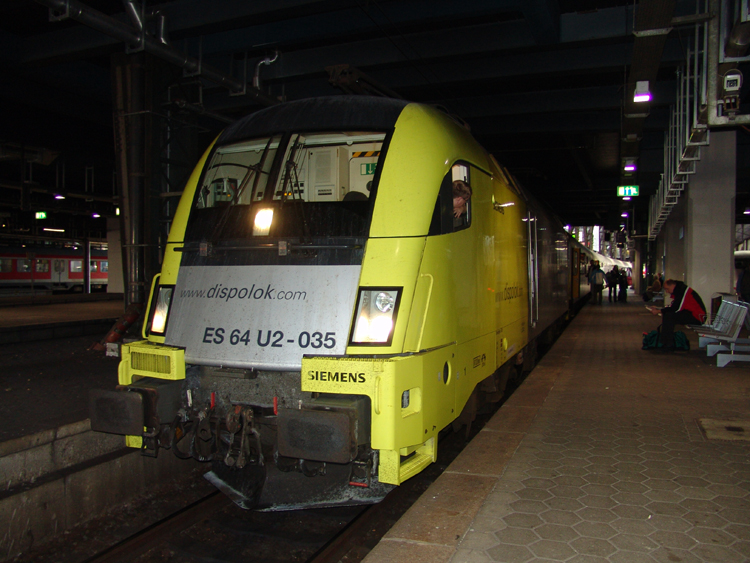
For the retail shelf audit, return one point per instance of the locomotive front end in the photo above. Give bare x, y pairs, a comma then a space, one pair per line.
262, 267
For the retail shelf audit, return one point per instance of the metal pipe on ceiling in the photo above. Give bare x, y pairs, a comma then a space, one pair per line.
110, 26
36, 188
194, 108
267, 61
134, 13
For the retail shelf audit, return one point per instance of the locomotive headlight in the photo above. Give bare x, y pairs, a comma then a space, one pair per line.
161, 310
375, 315
262, 224
384, 302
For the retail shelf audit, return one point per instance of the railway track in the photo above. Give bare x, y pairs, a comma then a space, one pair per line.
215, 530
230, 534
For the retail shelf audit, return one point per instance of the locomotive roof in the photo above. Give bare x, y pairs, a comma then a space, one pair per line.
352, 113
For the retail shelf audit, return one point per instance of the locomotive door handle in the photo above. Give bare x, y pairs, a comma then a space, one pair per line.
376, 396
430, 280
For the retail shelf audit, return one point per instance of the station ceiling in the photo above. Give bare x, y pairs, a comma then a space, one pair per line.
542, 84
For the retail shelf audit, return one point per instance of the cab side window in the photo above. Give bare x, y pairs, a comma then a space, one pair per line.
452, 211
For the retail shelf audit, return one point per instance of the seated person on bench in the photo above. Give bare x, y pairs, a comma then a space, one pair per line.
687, 308
653, 289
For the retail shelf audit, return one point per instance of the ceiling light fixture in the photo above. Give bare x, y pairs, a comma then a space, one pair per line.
629, 165
642, 93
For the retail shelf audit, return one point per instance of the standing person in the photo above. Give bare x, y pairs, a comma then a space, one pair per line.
596, 281
687, 308
613, 277
623, 283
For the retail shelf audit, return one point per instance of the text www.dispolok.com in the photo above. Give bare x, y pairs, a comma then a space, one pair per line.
219, 291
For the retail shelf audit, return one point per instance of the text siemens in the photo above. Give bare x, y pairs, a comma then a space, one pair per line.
226, 293
343, 376
272, 338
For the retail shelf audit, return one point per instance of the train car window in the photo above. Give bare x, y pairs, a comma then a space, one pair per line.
42, 266
103, 266
461, 192
92, 266
452, 211
76, 266
23, 265
307, 185
6, 265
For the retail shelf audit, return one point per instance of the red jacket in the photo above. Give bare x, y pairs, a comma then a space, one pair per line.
685, 299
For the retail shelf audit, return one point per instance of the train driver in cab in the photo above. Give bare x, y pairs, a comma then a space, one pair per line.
461, 196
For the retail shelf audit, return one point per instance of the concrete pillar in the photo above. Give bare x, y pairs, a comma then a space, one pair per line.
671, 243
635, 259
709, 228
115, 282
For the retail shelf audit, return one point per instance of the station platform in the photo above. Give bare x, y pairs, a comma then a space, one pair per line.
605, 453
33, 318
47, 366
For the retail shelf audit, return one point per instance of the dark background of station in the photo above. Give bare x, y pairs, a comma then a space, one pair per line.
542, 84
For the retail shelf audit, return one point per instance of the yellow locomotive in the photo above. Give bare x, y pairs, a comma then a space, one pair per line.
324, 310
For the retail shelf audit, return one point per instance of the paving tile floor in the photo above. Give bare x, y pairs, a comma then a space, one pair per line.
610, 465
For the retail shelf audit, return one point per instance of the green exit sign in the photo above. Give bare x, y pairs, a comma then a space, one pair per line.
41, 214
627, 191
367, 169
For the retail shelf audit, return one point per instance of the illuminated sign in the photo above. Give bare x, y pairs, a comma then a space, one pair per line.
627, 191
40, 215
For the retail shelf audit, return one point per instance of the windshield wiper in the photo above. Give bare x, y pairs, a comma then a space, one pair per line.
291, 169
252, 171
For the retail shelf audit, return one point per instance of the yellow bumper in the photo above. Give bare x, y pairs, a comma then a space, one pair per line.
146, 359
404, 430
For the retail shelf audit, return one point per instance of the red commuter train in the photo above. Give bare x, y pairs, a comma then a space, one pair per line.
52, 269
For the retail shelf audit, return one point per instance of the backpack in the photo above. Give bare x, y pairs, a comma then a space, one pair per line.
599, 278
653, 340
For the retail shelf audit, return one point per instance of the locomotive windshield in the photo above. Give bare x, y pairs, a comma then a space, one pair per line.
303, 185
